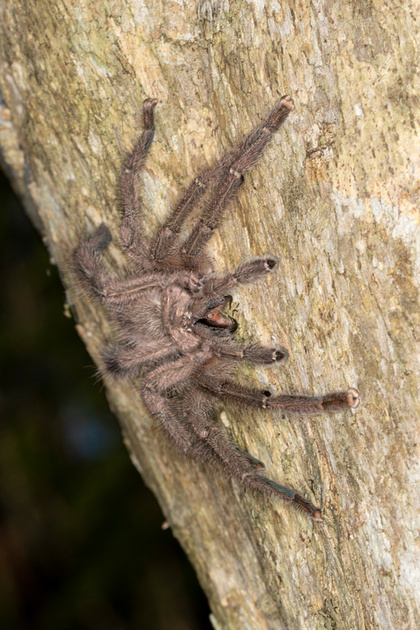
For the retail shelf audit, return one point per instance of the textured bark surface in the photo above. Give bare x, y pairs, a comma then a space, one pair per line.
334, 197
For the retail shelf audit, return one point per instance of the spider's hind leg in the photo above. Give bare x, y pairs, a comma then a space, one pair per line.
103, 282
131, 226
88, 264
225, 178
125, 361
248, 153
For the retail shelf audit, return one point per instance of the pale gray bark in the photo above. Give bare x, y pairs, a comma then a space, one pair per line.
334, 198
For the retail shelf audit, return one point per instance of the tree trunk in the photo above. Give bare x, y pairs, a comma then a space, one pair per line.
334, 198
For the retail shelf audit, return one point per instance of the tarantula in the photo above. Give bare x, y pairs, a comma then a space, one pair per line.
168, 313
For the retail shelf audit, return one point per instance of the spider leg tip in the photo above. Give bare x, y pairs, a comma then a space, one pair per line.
317, 517
353, 398
287, 102
271, 262
149, 104
281, 355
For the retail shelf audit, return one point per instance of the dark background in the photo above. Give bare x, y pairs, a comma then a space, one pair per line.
81, 544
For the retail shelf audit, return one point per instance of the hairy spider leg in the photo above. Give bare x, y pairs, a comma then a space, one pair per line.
156, 385
249, 150
88, 262
171, 421
166, 239
197, 413
256, 463
196, 434
105, 284
165, 412
217, 287
229, 390
242, 466
256, 354
131, 227
125, 361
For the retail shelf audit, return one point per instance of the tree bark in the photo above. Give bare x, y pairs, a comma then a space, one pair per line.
334, 198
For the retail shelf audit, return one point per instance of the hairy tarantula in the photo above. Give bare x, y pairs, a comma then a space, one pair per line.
168, 313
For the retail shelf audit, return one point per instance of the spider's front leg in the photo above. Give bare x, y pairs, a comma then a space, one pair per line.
255, 354
262, 399
242, 466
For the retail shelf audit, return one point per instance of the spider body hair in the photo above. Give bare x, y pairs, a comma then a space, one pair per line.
168, 313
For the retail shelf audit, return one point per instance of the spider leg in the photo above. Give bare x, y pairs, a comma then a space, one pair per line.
217, 287
108, 286
122, 361
131, 223
251, 270
164, 410
197, 435
256, 463
88, 263
122, 291
158, 382
236, 463
169, 375
334, 402
168, 233
255, 354
229, 172
249, 153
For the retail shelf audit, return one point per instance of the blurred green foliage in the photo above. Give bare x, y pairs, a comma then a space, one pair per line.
81, 544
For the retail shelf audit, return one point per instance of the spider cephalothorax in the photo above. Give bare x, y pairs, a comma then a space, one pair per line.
168, 313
